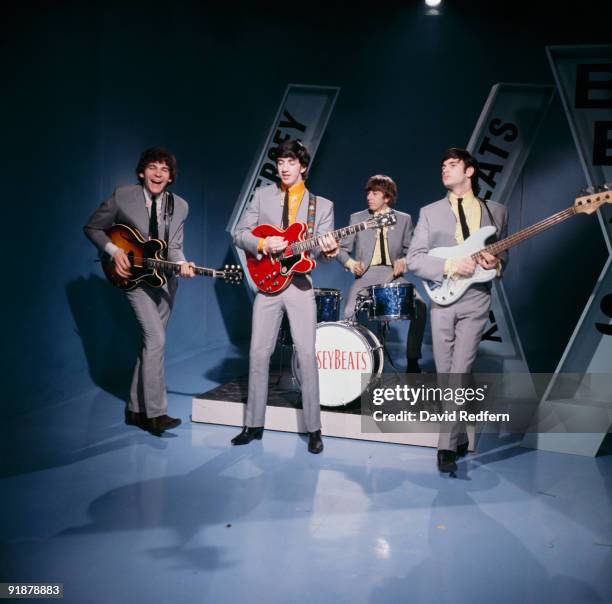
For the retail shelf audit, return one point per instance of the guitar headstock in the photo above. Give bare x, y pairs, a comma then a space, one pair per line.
232, 274
378, 221
589, 203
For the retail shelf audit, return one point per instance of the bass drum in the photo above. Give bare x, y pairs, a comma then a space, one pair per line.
349, 356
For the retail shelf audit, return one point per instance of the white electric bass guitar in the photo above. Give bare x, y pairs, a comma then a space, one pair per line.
450, 290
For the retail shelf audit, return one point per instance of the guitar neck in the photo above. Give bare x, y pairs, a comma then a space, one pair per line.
501, 246
175, 267
309, 244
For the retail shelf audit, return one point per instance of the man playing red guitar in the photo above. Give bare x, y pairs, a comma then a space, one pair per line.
282, 205
158, 214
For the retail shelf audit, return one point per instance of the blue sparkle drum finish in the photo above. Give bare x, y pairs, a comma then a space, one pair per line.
328, 311
390, 301
328, 304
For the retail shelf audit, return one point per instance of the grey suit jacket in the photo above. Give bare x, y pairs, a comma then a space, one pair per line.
364, 242
266, 208
127, 206
436, 228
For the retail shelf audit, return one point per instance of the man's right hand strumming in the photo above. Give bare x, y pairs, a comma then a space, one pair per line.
122, 264
274, 245
465, 267
459, 267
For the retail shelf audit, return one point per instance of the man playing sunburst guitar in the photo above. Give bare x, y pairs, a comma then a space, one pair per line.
456, 328
158, 214
283, 205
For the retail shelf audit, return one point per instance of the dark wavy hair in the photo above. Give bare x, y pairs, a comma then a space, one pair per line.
468, 160
385, 184
294, 149
156, 154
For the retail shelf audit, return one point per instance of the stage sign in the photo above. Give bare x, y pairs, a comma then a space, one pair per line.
584, 80
501, 142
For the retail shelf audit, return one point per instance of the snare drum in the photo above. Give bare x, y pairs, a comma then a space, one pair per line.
387, 301
349, 358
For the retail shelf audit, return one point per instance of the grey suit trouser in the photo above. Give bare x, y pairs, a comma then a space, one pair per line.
152, 307
456, 331
376, 275
298, 301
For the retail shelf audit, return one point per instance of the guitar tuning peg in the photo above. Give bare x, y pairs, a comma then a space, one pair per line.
587, 190
604, 187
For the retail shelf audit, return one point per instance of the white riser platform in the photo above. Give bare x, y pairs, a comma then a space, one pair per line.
287, 419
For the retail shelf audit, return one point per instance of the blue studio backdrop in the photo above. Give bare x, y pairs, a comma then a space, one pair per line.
88, 87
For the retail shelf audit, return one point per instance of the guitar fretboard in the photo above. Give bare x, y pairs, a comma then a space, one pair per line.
175, 267
501, 246
309, 244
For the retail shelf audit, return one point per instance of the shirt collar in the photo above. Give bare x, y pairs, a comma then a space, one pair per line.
467, 197
149, 199
383, 210
297, 189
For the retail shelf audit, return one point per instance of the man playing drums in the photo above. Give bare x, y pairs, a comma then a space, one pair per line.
379, 256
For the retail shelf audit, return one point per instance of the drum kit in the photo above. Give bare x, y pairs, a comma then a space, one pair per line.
350, 356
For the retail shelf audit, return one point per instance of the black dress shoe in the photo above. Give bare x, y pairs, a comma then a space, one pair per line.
462, 450
315, 442
447, 461
134, 418
158, 425
413, 366
247, 435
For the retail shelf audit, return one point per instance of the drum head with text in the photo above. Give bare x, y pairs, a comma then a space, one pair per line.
347, 357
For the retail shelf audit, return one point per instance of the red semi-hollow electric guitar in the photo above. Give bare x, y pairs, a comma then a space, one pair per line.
272, 273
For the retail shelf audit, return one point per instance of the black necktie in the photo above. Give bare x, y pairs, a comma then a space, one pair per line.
285, 222
383, 253
153, 232
462, 221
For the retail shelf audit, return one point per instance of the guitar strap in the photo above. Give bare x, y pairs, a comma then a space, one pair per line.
168, 212
486, 205
312, 211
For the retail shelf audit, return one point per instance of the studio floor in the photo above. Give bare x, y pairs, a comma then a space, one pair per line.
118, 515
